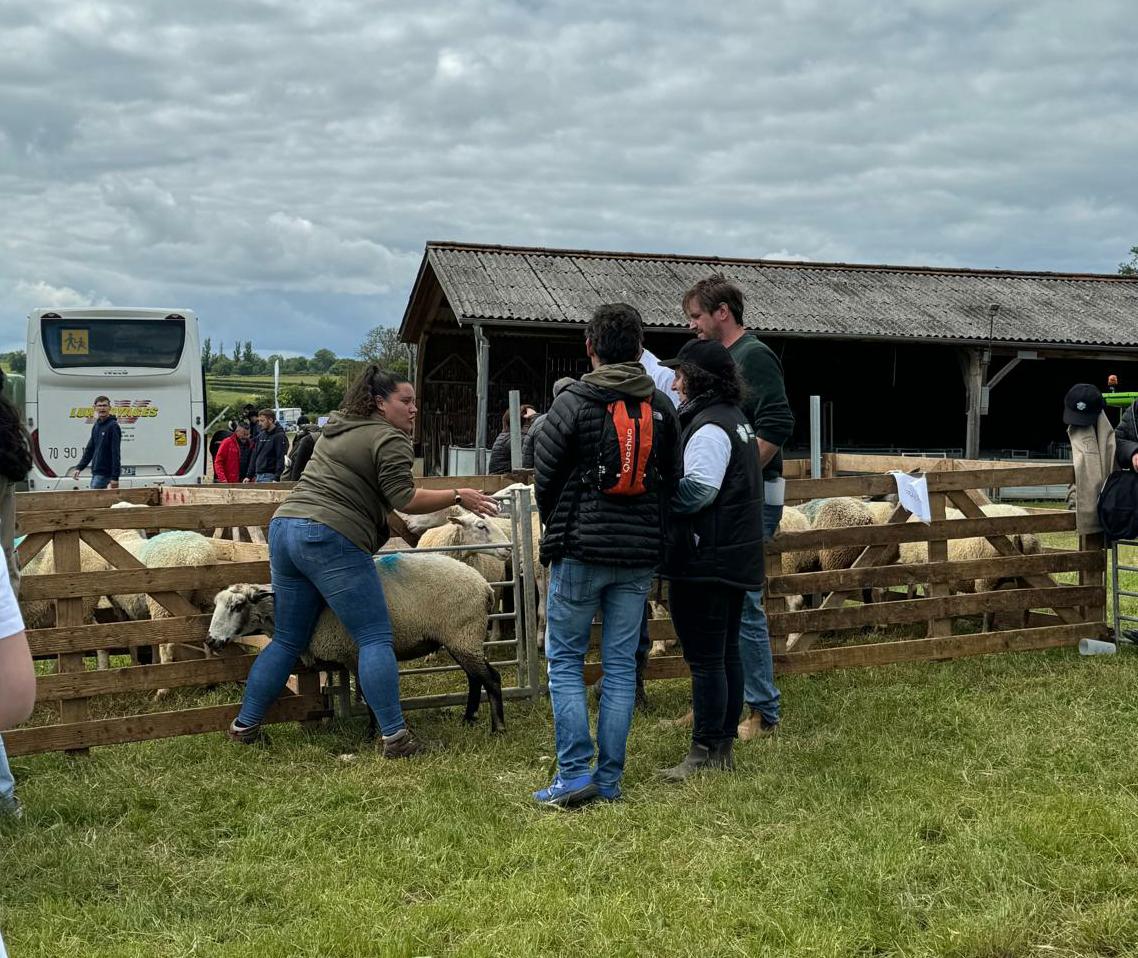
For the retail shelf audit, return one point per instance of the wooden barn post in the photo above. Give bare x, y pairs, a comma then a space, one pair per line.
482, 357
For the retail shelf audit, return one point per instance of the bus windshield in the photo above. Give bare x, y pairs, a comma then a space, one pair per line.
154, 343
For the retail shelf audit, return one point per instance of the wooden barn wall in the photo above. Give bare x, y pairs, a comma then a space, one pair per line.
884, 396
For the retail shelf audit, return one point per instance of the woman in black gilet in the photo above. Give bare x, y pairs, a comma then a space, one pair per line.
715, 553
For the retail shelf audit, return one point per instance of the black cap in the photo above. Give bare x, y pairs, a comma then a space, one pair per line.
1082, 405
704, 353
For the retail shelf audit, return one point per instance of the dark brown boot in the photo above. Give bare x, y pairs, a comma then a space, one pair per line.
402, 744
253, 735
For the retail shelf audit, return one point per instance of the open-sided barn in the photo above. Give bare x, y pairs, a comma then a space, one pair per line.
905, 358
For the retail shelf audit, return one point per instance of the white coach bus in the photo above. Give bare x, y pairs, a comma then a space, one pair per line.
147, 361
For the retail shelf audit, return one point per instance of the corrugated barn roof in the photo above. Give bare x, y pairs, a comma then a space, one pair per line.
517, 284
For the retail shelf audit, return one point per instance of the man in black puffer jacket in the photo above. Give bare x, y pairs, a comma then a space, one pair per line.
603, 501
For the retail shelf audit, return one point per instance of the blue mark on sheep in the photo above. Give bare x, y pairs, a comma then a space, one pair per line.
389, 562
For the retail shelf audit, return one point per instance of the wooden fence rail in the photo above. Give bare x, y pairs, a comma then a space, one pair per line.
1050, 614
1073, 611
68, 522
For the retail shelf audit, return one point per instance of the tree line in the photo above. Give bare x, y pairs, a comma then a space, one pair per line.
244, 360
380, 345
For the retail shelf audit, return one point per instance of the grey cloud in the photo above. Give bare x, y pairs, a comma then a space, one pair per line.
294, 158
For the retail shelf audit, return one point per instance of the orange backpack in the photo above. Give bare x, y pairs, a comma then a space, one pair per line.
625, 448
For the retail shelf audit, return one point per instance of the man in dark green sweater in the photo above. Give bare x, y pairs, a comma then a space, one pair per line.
714, 307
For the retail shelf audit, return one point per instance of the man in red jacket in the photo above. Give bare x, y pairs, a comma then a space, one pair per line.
233, 455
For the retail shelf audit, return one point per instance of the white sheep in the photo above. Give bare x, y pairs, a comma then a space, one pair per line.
418, 524
40, 613
434, 602
975, 547
880, 511
841, 512
540, 572
179, 548
467, 529
795, 520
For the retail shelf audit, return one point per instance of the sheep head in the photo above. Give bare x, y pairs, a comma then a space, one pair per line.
478, 531
239, 610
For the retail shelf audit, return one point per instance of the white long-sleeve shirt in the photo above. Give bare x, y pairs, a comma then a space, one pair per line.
662, 376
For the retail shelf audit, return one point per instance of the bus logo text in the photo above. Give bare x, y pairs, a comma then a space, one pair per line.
127, 411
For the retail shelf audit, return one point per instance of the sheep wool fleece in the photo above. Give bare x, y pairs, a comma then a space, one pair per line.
360, 471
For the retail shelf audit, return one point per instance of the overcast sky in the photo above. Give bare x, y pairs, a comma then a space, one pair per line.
278, 166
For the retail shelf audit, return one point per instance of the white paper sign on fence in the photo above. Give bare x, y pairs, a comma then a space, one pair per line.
913, 494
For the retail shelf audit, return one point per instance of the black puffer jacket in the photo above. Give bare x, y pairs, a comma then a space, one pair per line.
581, 521
1126, 437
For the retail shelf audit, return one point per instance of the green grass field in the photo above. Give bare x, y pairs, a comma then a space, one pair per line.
983, 808
238, 390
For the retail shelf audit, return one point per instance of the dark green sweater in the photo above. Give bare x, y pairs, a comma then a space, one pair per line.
764, 396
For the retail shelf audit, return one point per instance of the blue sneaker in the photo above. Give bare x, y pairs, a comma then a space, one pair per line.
608, 793
566, 794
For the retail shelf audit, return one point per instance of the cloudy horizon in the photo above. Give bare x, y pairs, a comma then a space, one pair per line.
278, 168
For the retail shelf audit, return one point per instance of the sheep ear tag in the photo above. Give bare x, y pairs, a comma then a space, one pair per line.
262, 594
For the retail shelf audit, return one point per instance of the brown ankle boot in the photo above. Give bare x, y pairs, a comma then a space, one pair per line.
682, 722
755, 726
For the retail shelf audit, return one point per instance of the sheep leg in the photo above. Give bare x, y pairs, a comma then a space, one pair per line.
493, 682
372, 721
496, 624
481, 674
165, 655
473, 698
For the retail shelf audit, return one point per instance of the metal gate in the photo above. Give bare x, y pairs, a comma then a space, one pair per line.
1124, 558
521, 584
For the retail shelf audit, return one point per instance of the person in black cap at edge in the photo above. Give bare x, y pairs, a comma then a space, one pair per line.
715, 546
1092, 451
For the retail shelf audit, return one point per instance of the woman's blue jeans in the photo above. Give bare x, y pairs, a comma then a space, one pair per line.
576, 591
313, 566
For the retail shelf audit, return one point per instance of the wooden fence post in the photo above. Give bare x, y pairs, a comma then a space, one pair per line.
938, 552
774, 603
1094, 541
308, 685
68, 614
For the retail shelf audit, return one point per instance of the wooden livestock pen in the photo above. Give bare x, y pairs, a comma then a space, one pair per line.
830, 635
68, 521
